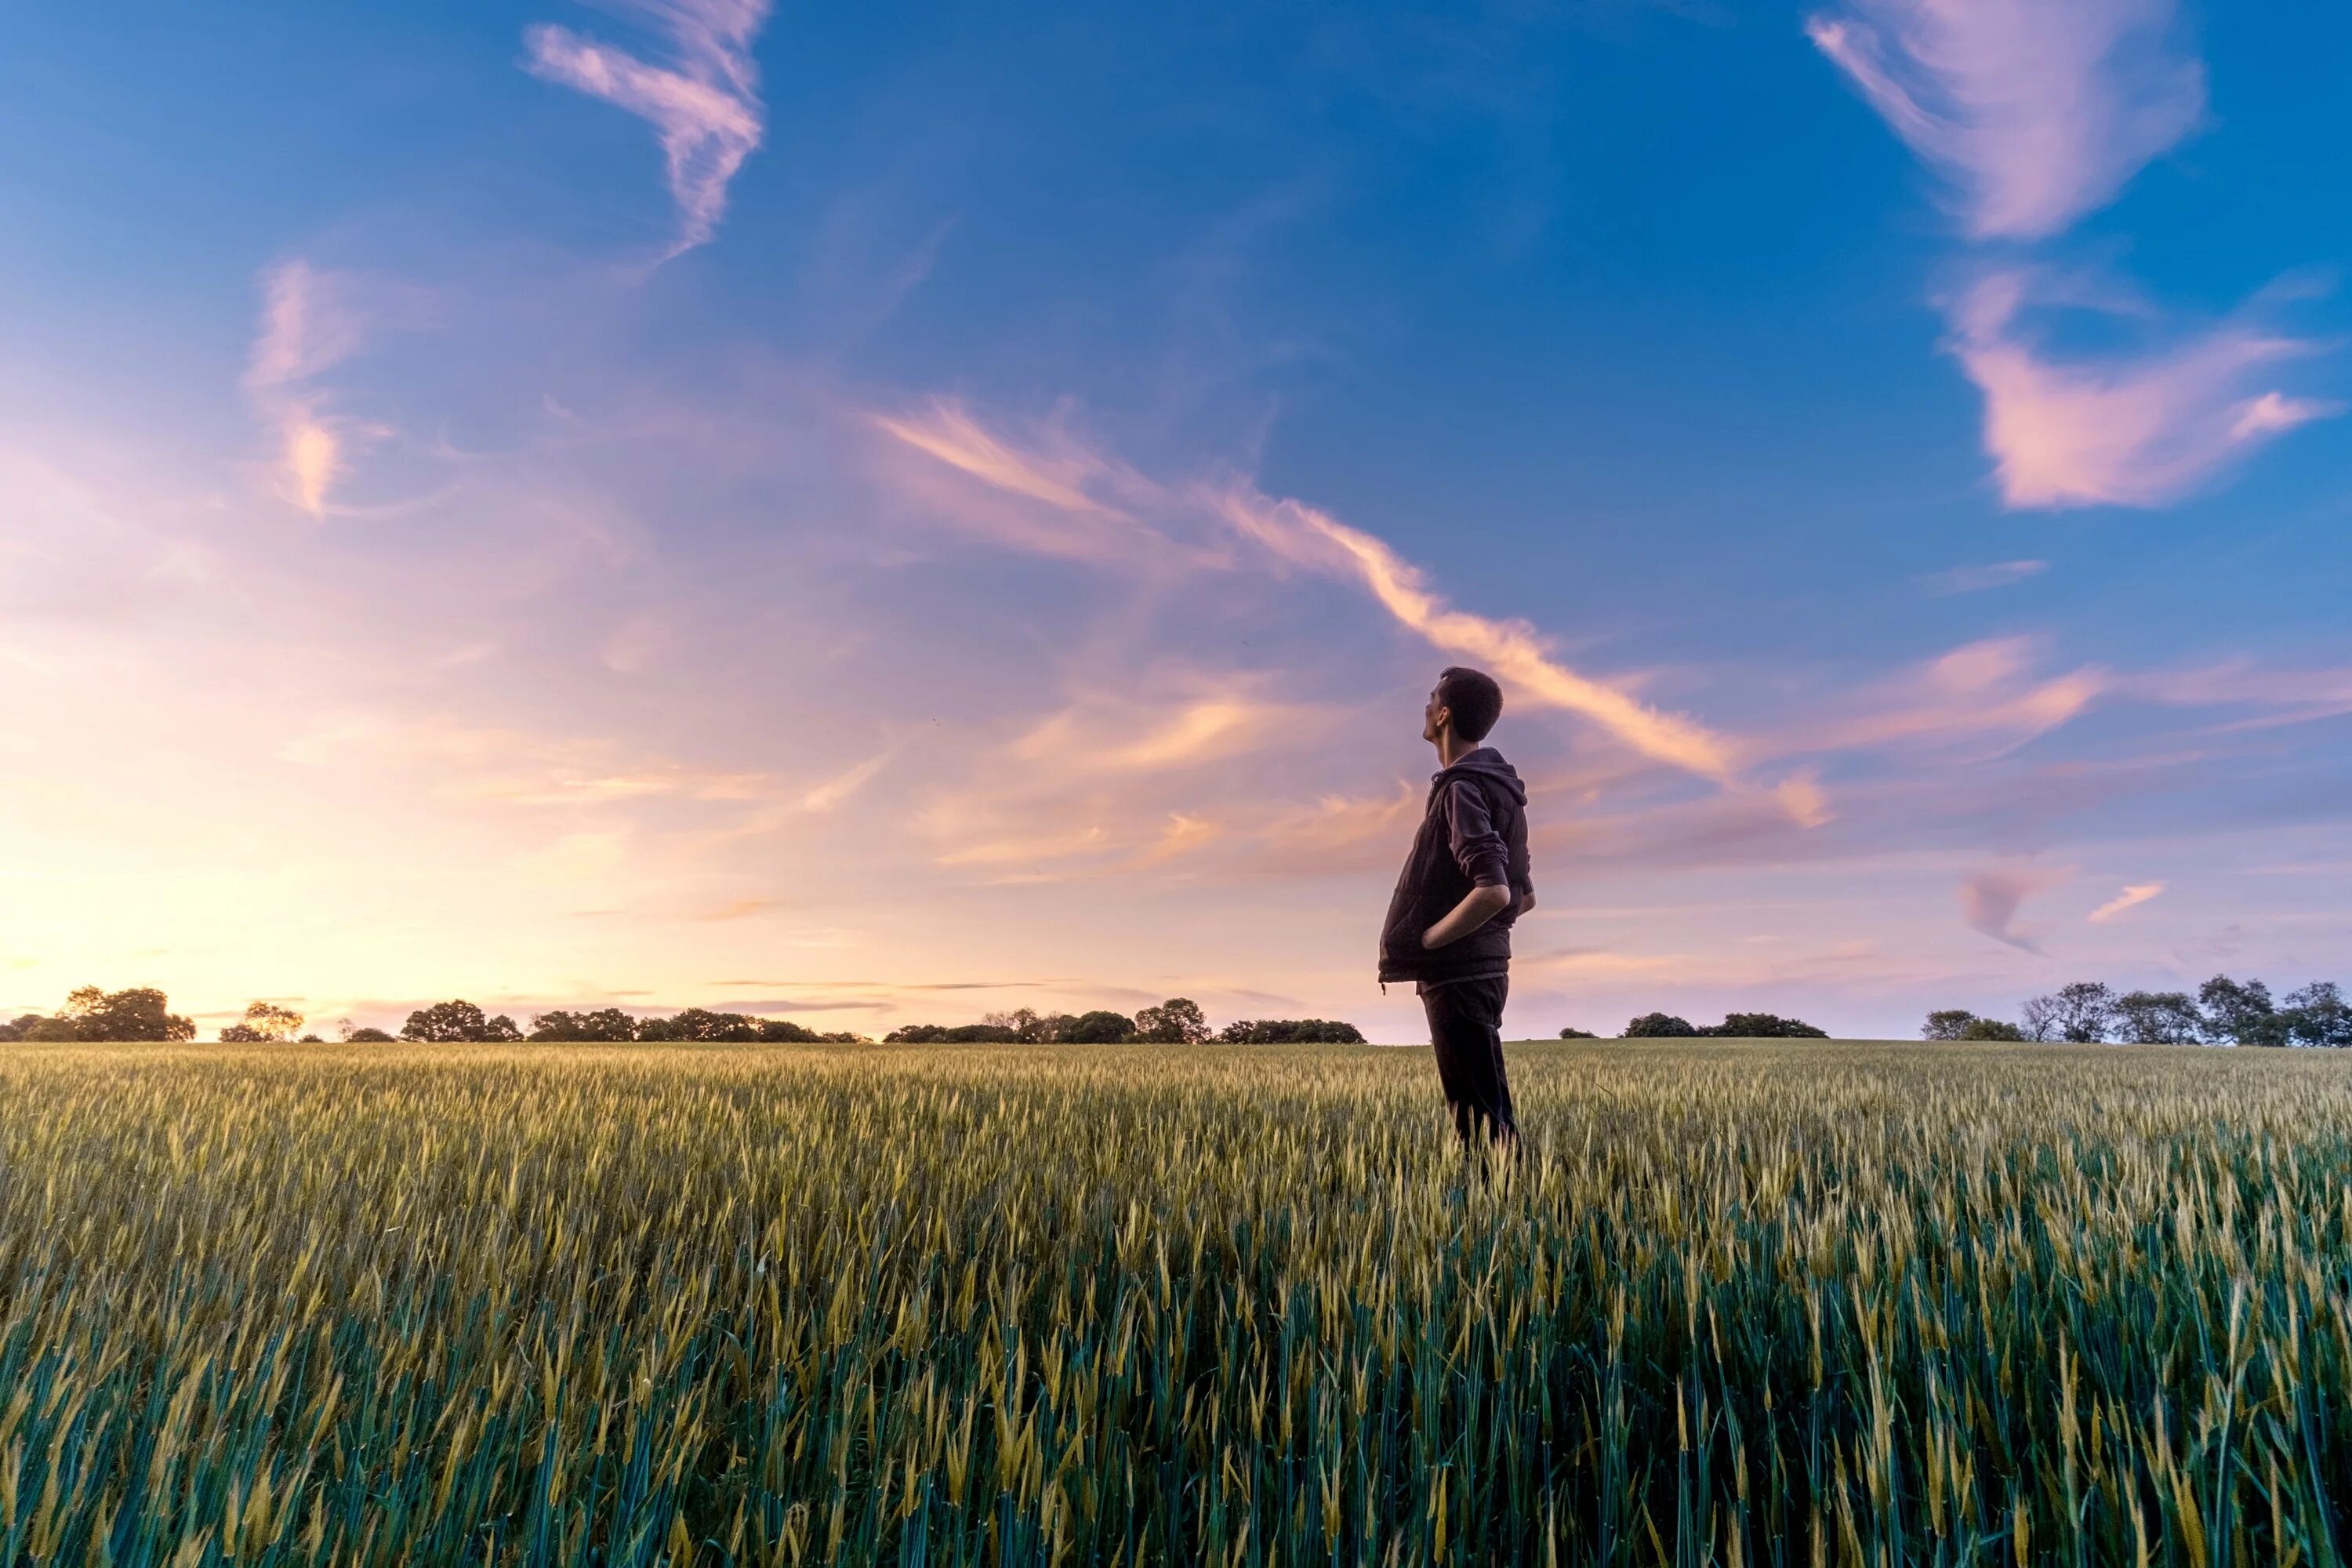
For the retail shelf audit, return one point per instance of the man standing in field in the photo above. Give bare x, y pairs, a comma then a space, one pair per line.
1449, 925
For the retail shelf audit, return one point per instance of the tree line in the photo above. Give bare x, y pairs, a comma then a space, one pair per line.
143, 1013
1735, 1026
1178, 1021
2223, 1011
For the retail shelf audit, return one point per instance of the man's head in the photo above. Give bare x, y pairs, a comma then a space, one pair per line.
1467, 700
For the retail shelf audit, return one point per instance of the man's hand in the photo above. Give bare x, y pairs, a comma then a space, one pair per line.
1477, 908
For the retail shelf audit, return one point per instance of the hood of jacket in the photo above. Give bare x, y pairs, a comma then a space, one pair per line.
1486, 765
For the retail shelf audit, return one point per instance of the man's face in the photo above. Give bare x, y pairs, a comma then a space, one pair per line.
1434, 718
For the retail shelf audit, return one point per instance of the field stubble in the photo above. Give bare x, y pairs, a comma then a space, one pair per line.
1785, 1303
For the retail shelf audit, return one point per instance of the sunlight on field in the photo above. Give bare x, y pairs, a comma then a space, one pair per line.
1746, 1303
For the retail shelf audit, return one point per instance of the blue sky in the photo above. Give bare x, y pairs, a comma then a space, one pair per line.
985, 517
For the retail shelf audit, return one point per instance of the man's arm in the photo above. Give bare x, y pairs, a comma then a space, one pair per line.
1478, 906
1479, 849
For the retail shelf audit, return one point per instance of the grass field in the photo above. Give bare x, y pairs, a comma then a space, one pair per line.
1745, 1304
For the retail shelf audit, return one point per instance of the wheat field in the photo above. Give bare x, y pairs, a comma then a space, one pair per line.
1741, 1303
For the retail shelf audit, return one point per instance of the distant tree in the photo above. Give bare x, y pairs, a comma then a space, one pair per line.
2083, 1012
265, 1023
1765, 1026
1099, 1028
1024, 1021
1052, 1028
2159, 1018
701, 1024
309, 1040
1990, 1030
1658, 1026
452, 1022
1290, 1032
141, 1013
784, 1031
1945, 1024
1573, 1032
2318, 1016
844, 1038
51, 1029
15, 1028
2241, 1015
368, 1037
1178, 1021
604, 1024
949, 1034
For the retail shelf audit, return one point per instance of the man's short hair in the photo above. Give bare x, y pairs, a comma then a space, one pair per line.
1474, 700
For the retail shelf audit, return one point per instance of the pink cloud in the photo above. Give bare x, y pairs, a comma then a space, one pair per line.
310, 323
1513, 650
706, 112
1990, 900
2038, 110
2131, 898
2128, 430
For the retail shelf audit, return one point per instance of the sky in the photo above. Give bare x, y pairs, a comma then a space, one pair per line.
875, 514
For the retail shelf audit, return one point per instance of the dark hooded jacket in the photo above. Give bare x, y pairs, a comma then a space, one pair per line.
1474, 833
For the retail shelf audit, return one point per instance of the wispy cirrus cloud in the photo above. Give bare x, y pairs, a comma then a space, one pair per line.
704, 106
1990, 901
2037, 111
2131, 898
1513, 650
310, 323
2124, 430
1976, 579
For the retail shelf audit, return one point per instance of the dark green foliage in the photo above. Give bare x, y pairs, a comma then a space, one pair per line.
1290, 1032
2081, 1013
1948, 1024
604, 1024
949, 1034
1659, 1027
1178, 1021
2318, 1016
1765, 1026
2159, 1018
1572, 1033
91, 1012
450, 1022
2241, 1015
1990, 1029
1099, 1028
368, 1037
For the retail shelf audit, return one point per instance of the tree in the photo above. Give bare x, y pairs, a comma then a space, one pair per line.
15, 1029
2083, 1011
1178, 1021
447, 1023
1990, 1030
1573, 1032
368, 1037
1659, 1027
2241, 1015
1765, 1026
784, 1031
701, 1024
1024, 1021
2318, 1016
604, 1024
2159, 1018
1947, 1023
138, 1013
1290, 1032
1099, 1028
1053, 1028
265, 1023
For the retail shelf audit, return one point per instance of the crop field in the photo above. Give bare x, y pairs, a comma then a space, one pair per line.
1741, 1303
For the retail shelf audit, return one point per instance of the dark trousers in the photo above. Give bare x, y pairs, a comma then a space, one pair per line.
1465, 1025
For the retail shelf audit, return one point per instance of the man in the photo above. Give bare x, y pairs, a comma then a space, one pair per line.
1449, 926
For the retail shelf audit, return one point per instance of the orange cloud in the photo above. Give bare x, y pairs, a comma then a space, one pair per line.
1510, 649
2132, 897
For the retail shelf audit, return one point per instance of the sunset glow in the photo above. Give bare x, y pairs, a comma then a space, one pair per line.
871, 517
